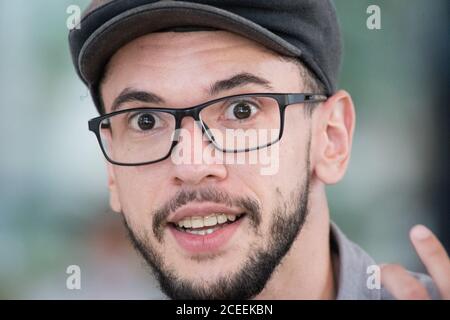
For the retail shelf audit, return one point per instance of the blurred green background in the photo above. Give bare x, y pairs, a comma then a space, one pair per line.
53, 188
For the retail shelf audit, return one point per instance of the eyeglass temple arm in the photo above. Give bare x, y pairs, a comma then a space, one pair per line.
305, 97
93, 125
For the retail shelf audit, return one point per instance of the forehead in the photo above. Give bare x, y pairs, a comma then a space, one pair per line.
170, 63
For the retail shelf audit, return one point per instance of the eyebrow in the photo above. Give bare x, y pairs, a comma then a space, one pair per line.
238, 80
131, 95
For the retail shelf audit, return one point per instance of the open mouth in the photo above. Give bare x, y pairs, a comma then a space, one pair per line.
206, 225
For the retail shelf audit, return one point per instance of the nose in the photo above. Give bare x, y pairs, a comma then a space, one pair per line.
193, 165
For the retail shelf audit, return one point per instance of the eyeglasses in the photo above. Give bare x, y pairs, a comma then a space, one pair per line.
238, 123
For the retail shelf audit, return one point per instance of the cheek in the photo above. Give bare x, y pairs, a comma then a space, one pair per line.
294, 143
267, 189
138, 190
291, 162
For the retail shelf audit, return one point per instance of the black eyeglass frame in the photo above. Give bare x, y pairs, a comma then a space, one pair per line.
283, 99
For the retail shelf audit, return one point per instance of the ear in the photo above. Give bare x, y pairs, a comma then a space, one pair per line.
333, 127
114, 200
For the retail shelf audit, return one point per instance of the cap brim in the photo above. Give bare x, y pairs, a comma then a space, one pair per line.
136, 22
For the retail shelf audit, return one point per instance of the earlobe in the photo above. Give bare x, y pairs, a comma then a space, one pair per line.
114, 200
335, 131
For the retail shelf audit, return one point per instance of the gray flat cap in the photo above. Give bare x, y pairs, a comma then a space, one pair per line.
305, 29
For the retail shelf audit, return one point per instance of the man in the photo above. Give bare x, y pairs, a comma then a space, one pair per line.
184, 88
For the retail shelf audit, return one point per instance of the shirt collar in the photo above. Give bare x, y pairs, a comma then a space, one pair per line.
351, 268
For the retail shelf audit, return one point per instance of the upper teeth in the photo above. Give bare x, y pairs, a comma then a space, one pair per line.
208, 221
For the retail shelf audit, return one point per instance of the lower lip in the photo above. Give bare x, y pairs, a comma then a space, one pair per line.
195, 243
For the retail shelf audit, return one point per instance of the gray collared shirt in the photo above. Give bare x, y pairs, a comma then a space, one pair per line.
351, 271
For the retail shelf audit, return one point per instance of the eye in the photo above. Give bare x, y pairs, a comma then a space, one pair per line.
241, 110
144, 121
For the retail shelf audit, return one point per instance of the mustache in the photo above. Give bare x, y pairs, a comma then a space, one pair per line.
183, 197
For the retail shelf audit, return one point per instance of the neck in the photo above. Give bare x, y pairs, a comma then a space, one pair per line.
306, 272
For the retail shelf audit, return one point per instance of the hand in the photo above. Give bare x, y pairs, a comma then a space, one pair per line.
403, 286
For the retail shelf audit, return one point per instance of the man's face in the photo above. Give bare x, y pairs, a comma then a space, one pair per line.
238, 257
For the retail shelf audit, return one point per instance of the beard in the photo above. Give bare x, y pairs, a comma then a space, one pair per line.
247, 282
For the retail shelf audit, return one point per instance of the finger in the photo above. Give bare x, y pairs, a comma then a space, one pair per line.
401, 284
434, 257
